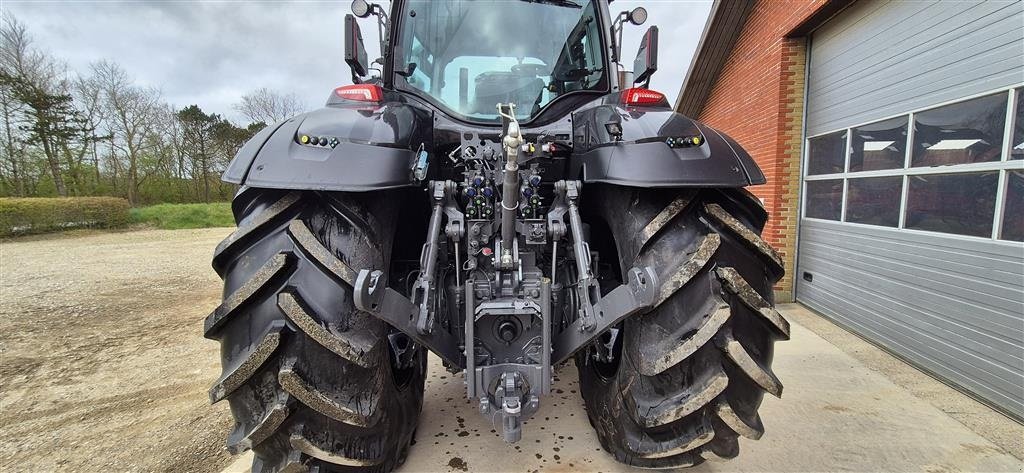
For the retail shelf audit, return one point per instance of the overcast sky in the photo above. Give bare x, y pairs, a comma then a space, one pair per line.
211, 52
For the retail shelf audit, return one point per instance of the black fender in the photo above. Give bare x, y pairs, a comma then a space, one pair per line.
357, 148
643, 157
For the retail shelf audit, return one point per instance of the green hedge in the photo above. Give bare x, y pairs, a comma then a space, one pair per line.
44, 214
178, 216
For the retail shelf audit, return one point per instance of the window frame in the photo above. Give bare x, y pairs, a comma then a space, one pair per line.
1004, 166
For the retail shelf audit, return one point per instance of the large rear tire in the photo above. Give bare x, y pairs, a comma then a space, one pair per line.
687, 377
311, 381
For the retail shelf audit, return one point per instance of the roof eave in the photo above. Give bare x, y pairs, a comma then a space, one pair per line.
724, 25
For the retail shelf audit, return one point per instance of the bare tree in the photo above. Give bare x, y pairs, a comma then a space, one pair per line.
23, 70
132, 117
98, 132
19, 58
268, 106
13, 146
88, 93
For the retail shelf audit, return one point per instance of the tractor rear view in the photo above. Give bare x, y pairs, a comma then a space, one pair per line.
499, 192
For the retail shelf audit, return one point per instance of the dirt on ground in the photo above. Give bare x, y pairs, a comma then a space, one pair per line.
102, 362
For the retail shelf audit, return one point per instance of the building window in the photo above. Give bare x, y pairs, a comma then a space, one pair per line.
825, 199
881, 145
874, 200
1013, 214
960, 133
963, 204
956, 169
826, 154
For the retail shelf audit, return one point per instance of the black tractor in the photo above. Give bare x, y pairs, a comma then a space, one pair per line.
496, 189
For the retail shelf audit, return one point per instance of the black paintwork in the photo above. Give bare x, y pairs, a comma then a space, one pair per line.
378, 143
378, 146
641, 158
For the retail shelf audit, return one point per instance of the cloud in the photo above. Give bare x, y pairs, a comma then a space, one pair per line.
210, 53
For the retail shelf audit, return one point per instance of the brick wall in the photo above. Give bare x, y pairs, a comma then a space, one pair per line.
758, 101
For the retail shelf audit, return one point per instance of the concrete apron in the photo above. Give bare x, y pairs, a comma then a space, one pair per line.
835, 414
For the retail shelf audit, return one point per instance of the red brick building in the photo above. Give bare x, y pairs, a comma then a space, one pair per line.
892, 138
747, 80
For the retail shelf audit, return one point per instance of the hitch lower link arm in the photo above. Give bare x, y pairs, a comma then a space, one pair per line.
416, 317
596, 314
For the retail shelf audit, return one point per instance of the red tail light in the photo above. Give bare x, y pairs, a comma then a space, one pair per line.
360, 92
637, 96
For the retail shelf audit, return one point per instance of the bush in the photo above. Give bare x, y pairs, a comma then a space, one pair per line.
45, 214
178, 216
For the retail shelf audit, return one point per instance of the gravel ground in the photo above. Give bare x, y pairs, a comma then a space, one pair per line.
102, 362
103, 369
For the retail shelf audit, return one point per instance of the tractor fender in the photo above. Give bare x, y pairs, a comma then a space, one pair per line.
642, 157
356, 148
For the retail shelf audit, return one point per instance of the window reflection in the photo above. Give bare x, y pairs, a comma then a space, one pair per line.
962, 200
963, 204
1017, 150
881, 145
827, 154
1013, 213
960, 133
874, 200
825, 199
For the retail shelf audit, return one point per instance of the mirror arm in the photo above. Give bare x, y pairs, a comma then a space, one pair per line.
617, 36
382, 26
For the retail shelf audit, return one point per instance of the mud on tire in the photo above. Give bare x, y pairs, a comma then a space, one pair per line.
688, 376
310, 380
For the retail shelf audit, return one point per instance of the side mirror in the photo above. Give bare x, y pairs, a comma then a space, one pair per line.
646, 62
355, 50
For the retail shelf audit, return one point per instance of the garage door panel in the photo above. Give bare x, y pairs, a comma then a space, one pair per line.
849, 56
921, 308
931, 258
1007, 253
962, 317
978, 346
833, 66
952, 304
978, 44
983, 53
886, 51
912, 90
903, 330
946, 283
847, 312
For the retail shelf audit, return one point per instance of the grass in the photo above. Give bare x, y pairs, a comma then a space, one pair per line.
179, 216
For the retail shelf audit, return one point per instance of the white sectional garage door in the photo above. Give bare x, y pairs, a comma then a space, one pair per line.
912, 219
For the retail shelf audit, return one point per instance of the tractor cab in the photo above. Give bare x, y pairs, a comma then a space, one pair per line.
463, 57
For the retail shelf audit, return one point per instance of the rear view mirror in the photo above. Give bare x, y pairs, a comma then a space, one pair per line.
355, 51
646, 62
